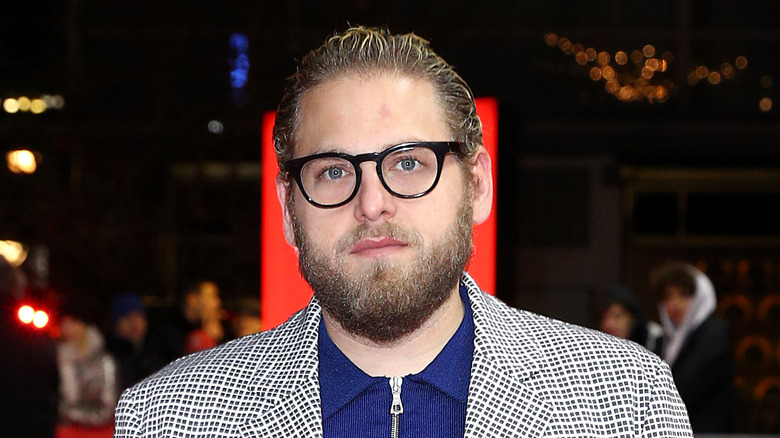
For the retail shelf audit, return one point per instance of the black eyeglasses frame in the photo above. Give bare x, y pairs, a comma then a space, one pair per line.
440, 148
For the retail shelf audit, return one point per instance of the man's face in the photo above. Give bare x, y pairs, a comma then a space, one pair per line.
676, 302
380, 265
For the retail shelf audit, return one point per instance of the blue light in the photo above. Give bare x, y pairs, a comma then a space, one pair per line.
241, 62
239, 42
239, 68
238, 78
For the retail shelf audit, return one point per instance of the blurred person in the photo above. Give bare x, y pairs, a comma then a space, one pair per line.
245, 316
622, 316
88, 373
696, 345
382, 177
28, 370
211, 330
196, 324
136, 353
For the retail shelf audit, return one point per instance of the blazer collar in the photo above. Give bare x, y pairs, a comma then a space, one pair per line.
503, 398
285, 386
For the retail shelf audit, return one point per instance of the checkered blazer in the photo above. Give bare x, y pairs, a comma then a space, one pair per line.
531, 376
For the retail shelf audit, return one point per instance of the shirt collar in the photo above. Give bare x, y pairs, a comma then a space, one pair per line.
450, 371
341, 380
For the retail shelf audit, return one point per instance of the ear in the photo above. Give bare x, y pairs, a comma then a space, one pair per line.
482, 195
282, 193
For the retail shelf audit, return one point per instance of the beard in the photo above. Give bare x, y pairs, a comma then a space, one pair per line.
386, 300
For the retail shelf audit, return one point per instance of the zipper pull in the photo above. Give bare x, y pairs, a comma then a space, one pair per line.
396, 407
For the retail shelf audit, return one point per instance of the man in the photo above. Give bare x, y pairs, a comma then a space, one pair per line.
382, 176
697, 345
192, 326
137, 353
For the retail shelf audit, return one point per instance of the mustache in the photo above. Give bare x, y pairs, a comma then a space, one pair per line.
387, 229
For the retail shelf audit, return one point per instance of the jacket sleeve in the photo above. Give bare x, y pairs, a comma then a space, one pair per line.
126, 417
666, 414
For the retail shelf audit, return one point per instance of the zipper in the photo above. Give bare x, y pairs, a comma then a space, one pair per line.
396, 407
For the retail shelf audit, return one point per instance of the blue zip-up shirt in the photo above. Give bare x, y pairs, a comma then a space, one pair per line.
434, 400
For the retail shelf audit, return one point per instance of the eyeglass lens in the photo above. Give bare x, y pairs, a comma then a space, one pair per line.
406, 172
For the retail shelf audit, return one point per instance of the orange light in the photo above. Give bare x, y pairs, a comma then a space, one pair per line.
595, 73
40, 319
603, 58
713, 77
765, 104
26, 314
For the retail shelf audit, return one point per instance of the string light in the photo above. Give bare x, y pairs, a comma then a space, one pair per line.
626, 82
643, 78
34, 105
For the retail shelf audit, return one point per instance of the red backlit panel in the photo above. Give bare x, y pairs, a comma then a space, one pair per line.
284, 291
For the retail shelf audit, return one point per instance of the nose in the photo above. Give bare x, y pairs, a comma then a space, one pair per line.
374, 202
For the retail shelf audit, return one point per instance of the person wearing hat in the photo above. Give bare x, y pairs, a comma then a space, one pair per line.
621, 316
135, 351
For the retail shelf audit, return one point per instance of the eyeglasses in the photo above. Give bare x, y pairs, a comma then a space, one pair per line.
406, 170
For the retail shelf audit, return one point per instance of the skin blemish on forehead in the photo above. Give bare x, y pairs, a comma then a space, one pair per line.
384, 111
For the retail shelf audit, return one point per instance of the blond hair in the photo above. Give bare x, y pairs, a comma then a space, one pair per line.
369, 51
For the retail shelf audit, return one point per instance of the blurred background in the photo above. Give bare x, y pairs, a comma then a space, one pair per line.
630, 133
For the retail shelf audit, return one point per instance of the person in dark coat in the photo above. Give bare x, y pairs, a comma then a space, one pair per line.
137, 353
696, 345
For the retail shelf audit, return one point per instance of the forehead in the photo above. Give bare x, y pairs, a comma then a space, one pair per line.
368, 113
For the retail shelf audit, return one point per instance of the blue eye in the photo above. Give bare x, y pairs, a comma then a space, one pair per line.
334, 173
408, 164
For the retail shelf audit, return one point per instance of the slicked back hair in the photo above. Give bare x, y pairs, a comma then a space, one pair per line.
371, 51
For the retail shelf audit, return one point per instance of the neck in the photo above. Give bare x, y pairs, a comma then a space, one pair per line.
408, 355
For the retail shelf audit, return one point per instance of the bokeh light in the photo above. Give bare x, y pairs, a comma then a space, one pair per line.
621, 57
26, 314
765, 104
21, 161
713, 78
14, 252
11, 105
24, 103
40, 319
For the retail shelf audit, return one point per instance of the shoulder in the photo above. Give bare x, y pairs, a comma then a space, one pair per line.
234, 363
560, 345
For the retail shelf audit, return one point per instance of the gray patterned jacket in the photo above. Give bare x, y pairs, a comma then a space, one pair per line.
531, 376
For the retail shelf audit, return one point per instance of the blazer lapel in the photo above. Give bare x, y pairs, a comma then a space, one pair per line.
285, 388
298, 415
501, 405
503, 400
